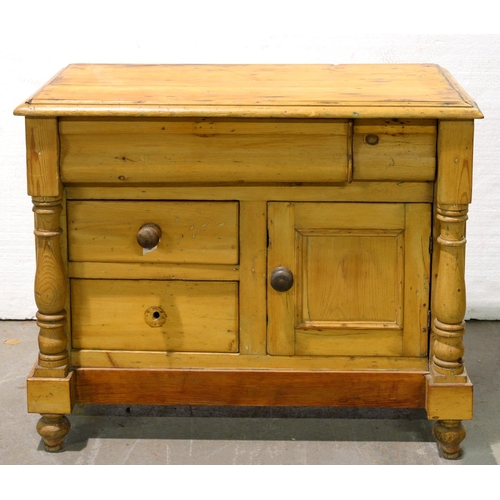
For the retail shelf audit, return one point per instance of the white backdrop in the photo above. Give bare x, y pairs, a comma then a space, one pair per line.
38, 38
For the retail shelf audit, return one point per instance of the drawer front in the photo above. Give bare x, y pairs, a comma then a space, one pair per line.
154, 315
191, 232
187, 150
401, 150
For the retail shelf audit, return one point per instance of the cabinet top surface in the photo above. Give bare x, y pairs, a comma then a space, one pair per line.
280, 91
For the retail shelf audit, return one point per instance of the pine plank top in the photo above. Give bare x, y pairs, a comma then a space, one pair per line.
279, 91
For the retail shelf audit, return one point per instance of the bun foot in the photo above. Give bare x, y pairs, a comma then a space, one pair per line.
449, 434
53, 430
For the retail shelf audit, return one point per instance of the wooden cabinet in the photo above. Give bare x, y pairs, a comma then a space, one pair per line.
251, 235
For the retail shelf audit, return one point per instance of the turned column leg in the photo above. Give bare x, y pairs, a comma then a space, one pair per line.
50, 384
448, 327
449, 303
50, 290
449, 391
50, 297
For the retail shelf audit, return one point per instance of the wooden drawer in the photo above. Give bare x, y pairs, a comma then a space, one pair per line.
192, 232
189, 150
401, 150
155, 315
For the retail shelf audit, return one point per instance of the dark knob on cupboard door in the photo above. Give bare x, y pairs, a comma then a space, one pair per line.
282, 279
149, 235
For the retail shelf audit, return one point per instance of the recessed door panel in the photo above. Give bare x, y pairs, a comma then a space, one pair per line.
341, 270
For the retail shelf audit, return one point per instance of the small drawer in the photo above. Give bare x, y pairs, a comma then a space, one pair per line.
127, 151
143, 315
191, 232
394, 150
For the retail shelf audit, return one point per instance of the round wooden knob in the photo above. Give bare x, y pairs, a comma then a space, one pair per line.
372, 139
149, 235
282, 279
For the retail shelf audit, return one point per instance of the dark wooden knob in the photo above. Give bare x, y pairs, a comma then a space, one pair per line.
149, 235
372, 139
282, 279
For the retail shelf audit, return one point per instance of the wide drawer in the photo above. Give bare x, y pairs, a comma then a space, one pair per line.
132, 150
394, 150
148, 315
191, 232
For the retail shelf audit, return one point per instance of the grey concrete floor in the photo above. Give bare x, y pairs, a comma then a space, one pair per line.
207, 435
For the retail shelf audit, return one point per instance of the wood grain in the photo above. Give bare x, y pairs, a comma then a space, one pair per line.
191, 316
341, 91
249, 388
50, 289
348, 341
418, 192
357, 269
153, 271
281, 305
50, 394
42, 157
186, 360
455, 150
338, 173
454, 193
449, 401
417, 276
252, 285
204, 151
405, 150
192, 232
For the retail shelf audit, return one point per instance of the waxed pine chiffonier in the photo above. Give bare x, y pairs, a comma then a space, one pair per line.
278, 235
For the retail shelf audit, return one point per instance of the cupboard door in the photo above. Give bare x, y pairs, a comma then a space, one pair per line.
360, 279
